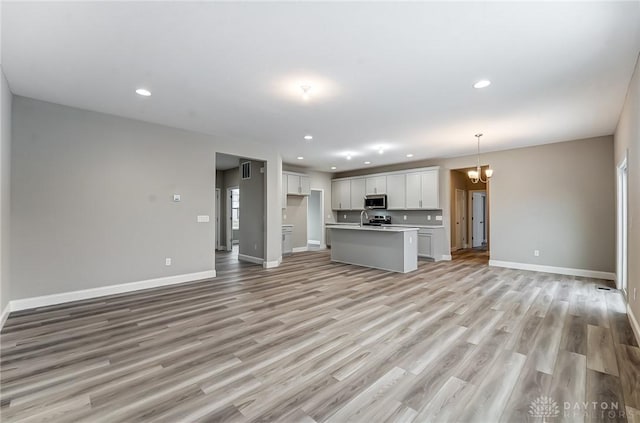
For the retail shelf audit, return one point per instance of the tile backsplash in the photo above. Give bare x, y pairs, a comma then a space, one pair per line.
414, 217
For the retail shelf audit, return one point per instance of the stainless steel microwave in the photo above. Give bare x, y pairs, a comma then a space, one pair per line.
375, 201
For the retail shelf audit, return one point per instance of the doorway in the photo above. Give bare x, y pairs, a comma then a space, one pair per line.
233, 221
622, 225
315, 224
460, 220
478, 218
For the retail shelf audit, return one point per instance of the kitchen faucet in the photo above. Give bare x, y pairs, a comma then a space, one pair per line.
363, 212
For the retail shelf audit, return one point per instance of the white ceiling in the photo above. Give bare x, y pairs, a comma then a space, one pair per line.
226, 161
398, 75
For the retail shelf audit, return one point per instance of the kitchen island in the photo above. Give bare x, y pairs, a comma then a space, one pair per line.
381, 247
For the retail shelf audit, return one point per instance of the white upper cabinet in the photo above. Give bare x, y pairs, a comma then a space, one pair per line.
396, 192
297, 184
305, 185
357, 194
413, 189
429, 188
284, 191
376, 185
422, 190
341, 194
293, 184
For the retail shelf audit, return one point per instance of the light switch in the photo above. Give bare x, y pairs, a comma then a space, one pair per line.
438, 217
176, 197
203, 218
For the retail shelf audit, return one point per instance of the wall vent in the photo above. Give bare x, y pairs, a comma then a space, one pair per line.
245, 169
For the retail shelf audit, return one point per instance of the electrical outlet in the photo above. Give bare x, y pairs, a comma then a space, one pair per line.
344, 216
167, 261
405, 217
536, 253
428, 217
438, 217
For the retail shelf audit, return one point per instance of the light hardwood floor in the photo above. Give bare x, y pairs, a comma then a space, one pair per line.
317, 341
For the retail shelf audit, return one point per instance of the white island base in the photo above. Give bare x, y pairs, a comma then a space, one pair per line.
393, 249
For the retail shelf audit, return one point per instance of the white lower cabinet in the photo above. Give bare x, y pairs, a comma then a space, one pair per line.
287, 243
425, 244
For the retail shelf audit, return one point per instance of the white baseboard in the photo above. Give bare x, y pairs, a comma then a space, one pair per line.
250, 259
313, 242
553, 269
634, 323
271, 264
65, 297
5, 314
446, 257
300, 249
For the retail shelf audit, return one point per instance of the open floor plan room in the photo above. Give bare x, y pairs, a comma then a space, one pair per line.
315, 341
320, 211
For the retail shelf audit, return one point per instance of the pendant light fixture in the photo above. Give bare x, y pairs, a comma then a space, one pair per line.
476, 175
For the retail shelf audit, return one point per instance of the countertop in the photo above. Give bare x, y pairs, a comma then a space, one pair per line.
374, 228
392, 225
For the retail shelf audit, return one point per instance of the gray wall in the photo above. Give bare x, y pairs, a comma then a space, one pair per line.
5, 188
252, 227
556, 198
315, 220
91, 199
627, 139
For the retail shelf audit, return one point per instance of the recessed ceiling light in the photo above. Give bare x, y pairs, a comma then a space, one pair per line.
348, 157
143, 92
381, 151
333, 168
367, 162
483, 83
300, 158
308, 137
409, 155
305, 92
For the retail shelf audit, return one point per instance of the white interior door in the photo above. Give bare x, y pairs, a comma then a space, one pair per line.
479, 206
460, 219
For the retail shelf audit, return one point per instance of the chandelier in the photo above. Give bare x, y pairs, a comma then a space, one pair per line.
476, 175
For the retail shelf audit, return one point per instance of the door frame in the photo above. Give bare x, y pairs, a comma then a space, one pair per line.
217, 217
463, 208
486, 215
622, 224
